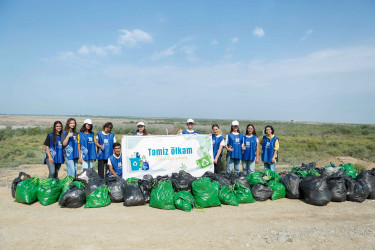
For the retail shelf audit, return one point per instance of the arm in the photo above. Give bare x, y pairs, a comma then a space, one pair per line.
50, 159
257, 154
218, 154
230, 149
112, 171
179, 131
97, 143
275, 150
66, 141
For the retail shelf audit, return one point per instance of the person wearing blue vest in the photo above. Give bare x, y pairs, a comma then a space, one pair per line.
104, 143
86, 145
189, 130
234, 141
218, 143
250, 148
270, 148
141, 129
70, 144
115, 161
54, 155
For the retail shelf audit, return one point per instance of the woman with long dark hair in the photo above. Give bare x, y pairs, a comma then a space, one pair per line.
270, 148
218, 142
141, 129
250, 155
54, 156
70, 143
86, 145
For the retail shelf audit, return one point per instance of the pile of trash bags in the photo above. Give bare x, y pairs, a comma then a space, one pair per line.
315, 186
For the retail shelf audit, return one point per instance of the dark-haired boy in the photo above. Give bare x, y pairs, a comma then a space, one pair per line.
115, 161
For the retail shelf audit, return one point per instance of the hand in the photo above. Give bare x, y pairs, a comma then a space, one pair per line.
243, 147
102, 147
210, 134
80, 160
50, 160
273, 160
230, 149
70, 134
256, 161
179, 131
215, 161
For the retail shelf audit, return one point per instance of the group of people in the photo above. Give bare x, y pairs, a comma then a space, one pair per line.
72, 147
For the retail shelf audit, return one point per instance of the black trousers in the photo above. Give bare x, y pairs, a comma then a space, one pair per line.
217, 167
102, 168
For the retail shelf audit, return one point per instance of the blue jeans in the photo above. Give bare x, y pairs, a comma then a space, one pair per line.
87, 164
71, 167
248, 167
271, 166
231, 162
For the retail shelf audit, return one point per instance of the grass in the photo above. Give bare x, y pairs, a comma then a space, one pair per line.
299, 142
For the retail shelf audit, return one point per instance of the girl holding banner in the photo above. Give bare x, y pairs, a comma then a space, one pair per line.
141, 129
217, 143
234, 141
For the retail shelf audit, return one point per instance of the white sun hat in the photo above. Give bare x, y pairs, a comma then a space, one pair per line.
235, 123
140, 124
190, 121
87, 121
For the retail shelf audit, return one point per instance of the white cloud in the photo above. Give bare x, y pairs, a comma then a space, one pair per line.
235, 40
134, 37
189, 52
99, 50
259, 32
307, 34
66, 55
214, 42
165, 53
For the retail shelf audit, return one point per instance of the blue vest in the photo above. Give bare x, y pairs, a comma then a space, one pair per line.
251, 148
116, 164
107, 141
185, 132
216, 144
87, 146
55, 149
235, 141
71, 150
268, 149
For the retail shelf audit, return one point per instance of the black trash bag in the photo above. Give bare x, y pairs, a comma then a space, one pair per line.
88, 175
340, 173
145, 185
21, 177
133, 196
369, 179
357, 190
241, 178
311, 165
182, 181
225, 174
315, 190
320, 170
73, 198
217, 177
291, 182
162, 178
336, 184
372, 171
92, 185
210, 175
116, 188
148, 177
261, 191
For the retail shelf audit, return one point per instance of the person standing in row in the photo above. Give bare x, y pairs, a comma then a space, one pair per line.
270, 148
86, 145
250, 148
115, 161
70, 144
104, 143
141, 129
218, 143
54, 155
234, 141
189, 130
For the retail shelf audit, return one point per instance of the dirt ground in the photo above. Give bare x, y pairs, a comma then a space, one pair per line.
284, 223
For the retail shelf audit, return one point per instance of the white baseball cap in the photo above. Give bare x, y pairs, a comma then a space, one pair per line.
190, 121
140, 124
87, 121
235, 123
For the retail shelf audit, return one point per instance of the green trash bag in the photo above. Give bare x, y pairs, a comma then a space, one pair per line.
255, 178
349, 170
305, 173
99, 197
27, 191
163, 196
216, 184
66, 187
49, 191
331, 165
278, 190
272, 175
184, 201
205, 193
67, 180
132, 180
227, 196
243, 194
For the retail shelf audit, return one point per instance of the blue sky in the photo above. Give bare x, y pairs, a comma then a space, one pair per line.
252, 60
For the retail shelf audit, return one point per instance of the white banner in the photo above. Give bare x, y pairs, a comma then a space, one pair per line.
165, 154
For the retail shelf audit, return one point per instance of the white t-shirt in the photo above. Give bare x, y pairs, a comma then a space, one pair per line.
227, 137
104, 133
249, 136
109, 159
222, 143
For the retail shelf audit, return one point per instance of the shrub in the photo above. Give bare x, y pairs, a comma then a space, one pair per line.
359, 168
333, 144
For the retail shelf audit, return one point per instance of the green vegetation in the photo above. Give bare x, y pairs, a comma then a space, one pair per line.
299, 142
